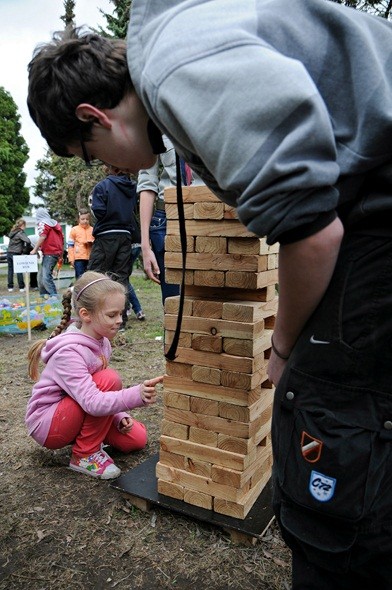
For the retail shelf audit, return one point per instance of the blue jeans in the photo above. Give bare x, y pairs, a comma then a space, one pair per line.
157, 238
133, 298
80, 267
47, 286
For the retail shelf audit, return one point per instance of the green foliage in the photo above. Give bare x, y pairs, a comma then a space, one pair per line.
117, 23
14, 196
65, 184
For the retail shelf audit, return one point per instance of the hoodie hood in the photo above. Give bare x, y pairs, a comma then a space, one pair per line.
42, 216
72, 338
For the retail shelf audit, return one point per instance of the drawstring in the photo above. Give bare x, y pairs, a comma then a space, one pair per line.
171, 353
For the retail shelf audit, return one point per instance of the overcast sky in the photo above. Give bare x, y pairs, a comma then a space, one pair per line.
24, 25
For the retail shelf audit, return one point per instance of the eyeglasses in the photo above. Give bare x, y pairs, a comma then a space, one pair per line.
87, 160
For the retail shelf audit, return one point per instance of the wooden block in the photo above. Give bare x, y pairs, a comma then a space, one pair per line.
273, 261
191, 194
223, 361
207, 454
230, 212
251, 246
197, 467
234, 444
172, 211
247, 414
185, 339
174, 277
173, 460
174, 429
176, 400
248, 348
187, 386
243, 381
208, 278
237, 479
178, 370
201, 405
172, 305
203, 437
267, 293
210, 244
212, 423
225, 228
201, 484
173, 244
241, 508
243, 311
206, 309
170, 489
217, 262
216, 327
141, 503
206, 343
206, 375
208, 210
250, 280
198, 499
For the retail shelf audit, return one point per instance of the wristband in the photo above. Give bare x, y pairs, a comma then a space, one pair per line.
276, 351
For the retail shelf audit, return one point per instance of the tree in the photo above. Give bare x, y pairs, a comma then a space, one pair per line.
65, 184
14, 196
69, 17
375, 7
117, 22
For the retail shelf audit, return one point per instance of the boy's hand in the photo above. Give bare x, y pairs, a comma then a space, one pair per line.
151, 267
125, 425
148, 393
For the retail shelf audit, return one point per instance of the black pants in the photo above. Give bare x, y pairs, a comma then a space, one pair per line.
112, 254
332, 429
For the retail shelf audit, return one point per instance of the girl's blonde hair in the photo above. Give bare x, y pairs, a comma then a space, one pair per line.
18, 224
89, 292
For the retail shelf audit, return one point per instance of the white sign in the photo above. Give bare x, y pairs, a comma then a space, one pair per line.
25, 263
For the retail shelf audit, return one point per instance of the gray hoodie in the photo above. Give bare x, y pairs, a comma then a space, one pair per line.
282, 107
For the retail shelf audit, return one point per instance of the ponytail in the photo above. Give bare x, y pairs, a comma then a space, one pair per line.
34, 353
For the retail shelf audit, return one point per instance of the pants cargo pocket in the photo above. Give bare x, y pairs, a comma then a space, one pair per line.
329, 459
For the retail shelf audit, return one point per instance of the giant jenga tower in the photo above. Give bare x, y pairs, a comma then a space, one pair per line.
215, 447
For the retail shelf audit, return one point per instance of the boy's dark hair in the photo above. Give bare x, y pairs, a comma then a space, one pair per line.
75, 67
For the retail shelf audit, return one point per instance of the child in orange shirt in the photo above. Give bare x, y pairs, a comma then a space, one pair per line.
80, 242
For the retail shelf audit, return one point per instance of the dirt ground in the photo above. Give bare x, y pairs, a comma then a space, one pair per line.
63, 530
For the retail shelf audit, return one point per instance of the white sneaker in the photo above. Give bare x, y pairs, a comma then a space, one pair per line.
10, 290
21, 290
98, 464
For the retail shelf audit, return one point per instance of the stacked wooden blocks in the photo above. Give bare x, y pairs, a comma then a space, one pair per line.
215, 448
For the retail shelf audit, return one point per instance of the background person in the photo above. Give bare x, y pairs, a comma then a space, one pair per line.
51, 244
113, 203
80, 241
19, 244
78, 399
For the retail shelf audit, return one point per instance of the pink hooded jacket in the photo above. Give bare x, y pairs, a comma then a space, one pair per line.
71, 359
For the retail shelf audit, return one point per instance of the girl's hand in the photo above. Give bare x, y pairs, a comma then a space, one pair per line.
125, 425
148, 393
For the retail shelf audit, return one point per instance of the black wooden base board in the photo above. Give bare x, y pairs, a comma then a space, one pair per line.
141, 482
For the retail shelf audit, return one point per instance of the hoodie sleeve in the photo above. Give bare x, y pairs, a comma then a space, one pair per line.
99, 200
79, 385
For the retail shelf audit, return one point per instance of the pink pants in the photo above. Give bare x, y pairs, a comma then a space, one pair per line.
71, 424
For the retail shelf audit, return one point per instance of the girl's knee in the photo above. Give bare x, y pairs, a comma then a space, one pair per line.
107, 380
136, 438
